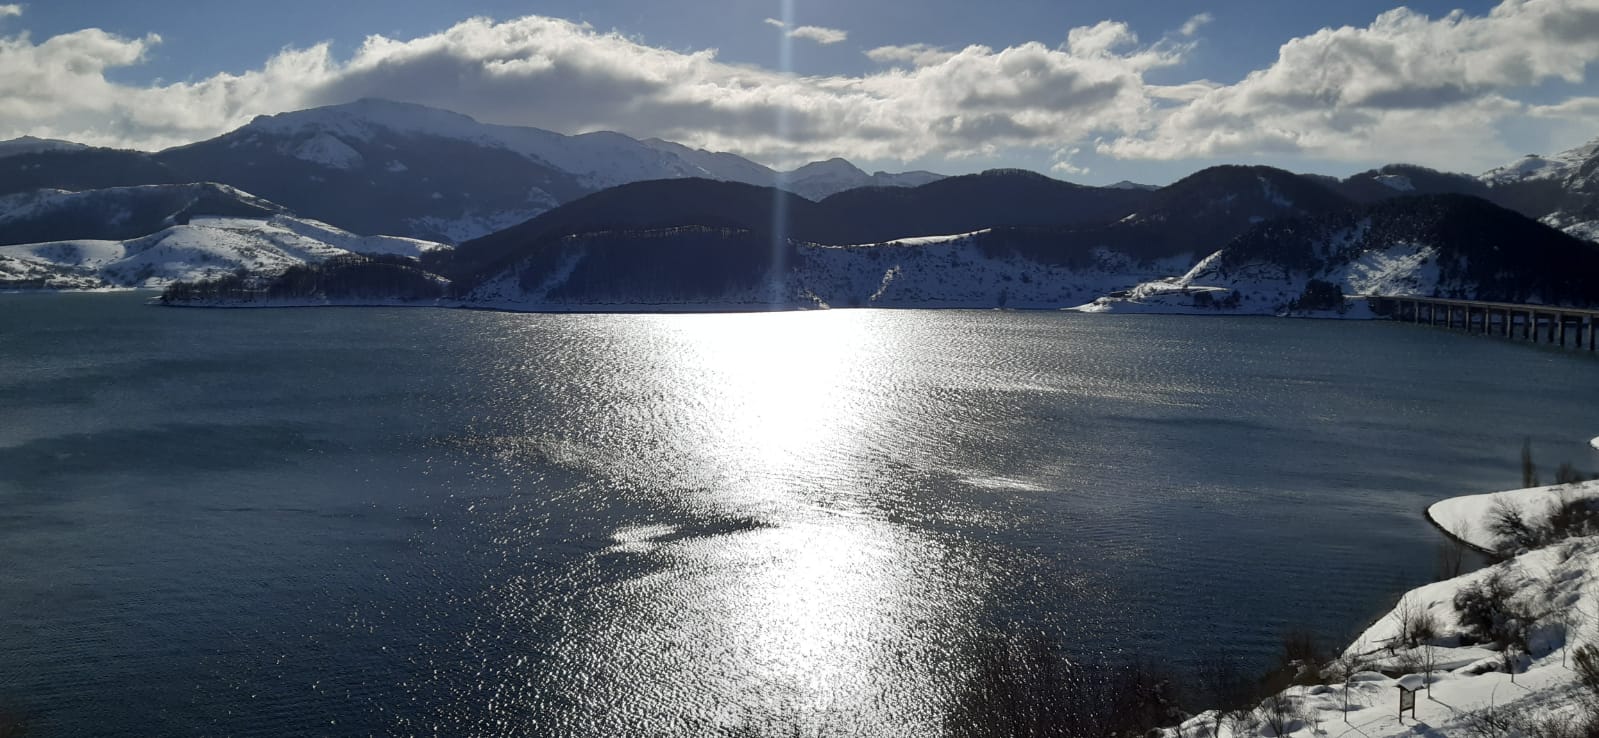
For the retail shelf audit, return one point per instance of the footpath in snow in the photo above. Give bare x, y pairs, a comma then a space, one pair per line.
1494, 652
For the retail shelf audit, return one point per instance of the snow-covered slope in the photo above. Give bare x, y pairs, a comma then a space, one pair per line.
1559, 167
1474, 686
31, 145
957, 271
1561, 190
1444, 245
205, 247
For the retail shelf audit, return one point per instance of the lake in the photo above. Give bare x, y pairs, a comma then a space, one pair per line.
408, 521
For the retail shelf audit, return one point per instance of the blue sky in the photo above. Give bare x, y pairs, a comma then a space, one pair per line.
1129, 100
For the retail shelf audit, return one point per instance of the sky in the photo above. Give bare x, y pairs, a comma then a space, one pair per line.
1093, 92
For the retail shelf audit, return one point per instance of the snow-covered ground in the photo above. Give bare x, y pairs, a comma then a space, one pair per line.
1558, 584
1463, 517
206, 247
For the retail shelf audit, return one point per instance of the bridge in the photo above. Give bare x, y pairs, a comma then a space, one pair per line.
1550, 324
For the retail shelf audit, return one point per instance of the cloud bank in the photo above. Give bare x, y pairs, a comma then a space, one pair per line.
1405, 87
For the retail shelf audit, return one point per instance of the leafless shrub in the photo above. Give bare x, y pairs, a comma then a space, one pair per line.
1517, 723
1025, 686
1585, 661
1512, 533
1302, 657
1280, 712
1572, 517
1416, 622
1489, 613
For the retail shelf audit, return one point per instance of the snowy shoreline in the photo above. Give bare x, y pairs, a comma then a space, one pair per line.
1558, 584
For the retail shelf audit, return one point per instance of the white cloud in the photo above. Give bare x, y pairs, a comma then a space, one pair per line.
1195, 23
1405, 87
10, 11
819, 34
971, 102
1063, 162
920, 55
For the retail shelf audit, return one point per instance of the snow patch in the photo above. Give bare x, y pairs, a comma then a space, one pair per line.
329, 152
1397, 182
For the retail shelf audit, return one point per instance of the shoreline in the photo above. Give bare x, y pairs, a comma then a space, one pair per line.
1557, 582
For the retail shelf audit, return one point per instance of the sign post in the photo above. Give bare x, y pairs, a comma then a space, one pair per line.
1407, 701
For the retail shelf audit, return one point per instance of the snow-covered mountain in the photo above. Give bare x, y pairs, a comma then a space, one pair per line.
1561, 190
1558, 167
203, 247
375, 166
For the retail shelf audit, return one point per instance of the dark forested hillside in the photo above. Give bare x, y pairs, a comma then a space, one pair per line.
83, 169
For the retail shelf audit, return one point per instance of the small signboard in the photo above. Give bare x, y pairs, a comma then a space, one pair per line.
1407, 701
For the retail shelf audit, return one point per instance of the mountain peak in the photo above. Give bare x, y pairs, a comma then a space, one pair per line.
834, 167
358, 118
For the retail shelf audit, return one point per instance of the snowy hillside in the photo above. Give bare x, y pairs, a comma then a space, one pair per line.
1561, 190
1499, 651
957, 271
204, 248
1445, 245
1559, 167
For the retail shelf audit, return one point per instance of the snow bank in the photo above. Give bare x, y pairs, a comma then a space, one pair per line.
1465, 517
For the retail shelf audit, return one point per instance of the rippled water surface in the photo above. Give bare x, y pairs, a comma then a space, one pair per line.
355, 521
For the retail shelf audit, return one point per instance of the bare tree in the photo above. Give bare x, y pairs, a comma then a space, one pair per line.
1415, 622
1279, 711
1346, 665
1529, 471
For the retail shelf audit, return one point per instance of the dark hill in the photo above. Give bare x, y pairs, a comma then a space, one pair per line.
1404, 180
1486, 251
1005, 198
82, 169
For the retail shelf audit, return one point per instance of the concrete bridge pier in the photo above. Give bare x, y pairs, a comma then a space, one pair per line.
1538, 323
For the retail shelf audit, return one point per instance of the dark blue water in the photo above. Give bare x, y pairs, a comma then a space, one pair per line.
361, 521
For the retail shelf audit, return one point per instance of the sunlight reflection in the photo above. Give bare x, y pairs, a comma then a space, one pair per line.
780, 386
